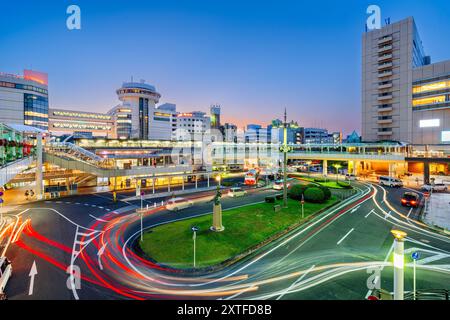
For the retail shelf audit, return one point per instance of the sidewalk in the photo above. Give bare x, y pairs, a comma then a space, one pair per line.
438, 211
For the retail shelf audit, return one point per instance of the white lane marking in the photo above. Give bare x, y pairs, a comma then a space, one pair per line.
295, 282
98, 219
355, 209
409, 213
100, 207
99, 254
342, 239
77, 203
387, 215
372, 211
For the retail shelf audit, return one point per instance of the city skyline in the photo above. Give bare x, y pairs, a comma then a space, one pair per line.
188, 58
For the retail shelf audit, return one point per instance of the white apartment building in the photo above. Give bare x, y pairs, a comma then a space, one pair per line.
404, 97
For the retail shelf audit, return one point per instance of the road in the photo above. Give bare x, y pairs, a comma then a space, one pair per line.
328, 258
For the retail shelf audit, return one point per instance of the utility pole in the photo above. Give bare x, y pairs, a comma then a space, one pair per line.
285, 150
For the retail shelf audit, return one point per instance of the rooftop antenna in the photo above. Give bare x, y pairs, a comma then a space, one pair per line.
387, 20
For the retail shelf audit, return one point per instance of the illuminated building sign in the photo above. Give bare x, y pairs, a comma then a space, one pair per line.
73, 114
445, 136
429, 123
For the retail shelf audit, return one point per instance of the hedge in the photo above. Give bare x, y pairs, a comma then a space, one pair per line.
315, 195
345, 185
296, 191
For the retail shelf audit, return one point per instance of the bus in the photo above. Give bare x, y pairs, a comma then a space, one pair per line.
251, 177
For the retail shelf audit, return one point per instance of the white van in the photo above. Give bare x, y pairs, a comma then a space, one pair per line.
5, 274
236, 192
390, 182
176, 204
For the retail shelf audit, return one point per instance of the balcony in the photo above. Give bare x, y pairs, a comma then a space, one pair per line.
385, 133
384, 40
385, 86
385, 74
384, 97
385, 49
385, 57
384, 121
385, 108
384, 66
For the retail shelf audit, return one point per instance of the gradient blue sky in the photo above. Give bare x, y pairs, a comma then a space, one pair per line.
252, 57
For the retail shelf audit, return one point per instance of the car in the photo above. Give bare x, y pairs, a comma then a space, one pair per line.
390, 181
350, 177
279, 184
176, 204
410, 199
435, 187
5, 274
236, 192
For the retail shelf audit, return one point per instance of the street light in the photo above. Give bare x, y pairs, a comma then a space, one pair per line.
218, 178
194, 236
337, 166
399, 263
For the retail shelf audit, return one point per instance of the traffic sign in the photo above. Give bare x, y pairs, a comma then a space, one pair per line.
1, 200
415, 255
142, 193
194, 229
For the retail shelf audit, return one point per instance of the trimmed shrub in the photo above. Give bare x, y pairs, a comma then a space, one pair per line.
326, 192
296, 191
315, 195
344, 185
319, 180
270, 199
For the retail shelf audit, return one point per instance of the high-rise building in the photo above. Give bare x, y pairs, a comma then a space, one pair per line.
255, 133
24, 99
404, 97
294, 132
215, 116
141, 98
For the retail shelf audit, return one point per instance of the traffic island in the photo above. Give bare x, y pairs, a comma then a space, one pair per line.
247, 229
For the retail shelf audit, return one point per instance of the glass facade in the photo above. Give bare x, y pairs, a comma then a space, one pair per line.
36, 111
143, 118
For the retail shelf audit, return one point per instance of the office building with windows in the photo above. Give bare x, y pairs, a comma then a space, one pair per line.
194, 126
121, 115
24, 99
81, 124
404, 97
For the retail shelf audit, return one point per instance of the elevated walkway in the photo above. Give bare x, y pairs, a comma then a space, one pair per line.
10, 170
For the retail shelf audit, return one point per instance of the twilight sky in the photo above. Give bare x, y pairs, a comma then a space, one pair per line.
252, 57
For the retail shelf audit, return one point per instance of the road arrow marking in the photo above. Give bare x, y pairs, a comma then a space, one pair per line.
99, 254
355, 209
32, 274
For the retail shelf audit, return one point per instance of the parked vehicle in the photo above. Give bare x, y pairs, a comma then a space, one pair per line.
176, 204
5, 274
390, 181
251, 177
350, 177
410, 199
236, 192
435, 187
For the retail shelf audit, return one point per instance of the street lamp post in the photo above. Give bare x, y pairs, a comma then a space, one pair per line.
285, 149
399, 263
337, 167
194, 236
415, 256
